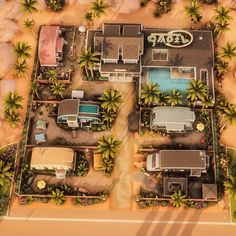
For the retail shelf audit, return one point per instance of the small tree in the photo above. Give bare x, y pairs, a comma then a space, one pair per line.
5, 173
108, 117
22, 50
99, 8
58, 89
55, 5
193, 11
228, 52
108, 146
20, 68
29, 6
51, 75
14, 119
88, 60
150, 94
175, 98
111, 100
29, 25
12, 102
107, 165
88, 16
34, 87
230, 186
58, 197
178, 199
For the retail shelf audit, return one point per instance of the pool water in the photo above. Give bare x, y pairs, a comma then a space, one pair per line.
163, 78
85, 108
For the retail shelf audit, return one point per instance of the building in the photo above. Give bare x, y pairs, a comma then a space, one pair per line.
195, 161
172, 119
53, 158
51, 42
131, 51
77, 113
120, 48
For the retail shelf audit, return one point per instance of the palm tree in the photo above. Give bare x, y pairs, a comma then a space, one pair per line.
22, 50
88, 16
12, 102
29, 6
88, 60
58, 197
107, 165
108, 146
229, 51
111, 100
150, 94
99, 8
196, 91
82, 168
14, 119
55, 5
230, 186
51, 75
58, 89
222, 66
207, 102
175, 98
5, 173
222, 14
193, 11
228, 113
20, 68
34, 87
29, 25
178, 199
221, 27
108, 117
162, 99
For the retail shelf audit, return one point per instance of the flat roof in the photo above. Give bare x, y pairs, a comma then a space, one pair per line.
68, 107
173, 118
48, 44
182, 159
52, 157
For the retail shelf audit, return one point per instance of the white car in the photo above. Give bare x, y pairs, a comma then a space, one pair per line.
152, 162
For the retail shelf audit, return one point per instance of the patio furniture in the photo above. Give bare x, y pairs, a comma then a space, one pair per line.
40, 138
41, 124
97, 161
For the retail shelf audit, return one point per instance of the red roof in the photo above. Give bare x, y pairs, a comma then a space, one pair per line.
59, 44
48, 45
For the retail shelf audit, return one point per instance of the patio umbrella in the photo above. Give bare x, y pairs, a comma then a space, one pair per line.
82, 29
200, 127
41, 184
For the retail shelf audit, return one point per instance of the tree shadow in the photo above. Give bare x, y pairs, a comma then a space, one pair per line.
147, 224
160, 226
188, 228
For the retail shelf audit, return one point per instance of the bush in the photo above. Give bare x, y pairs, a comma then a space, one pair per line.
4, 201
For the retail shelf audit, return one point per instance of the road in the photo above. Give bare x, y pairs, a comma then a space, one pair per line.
122, 224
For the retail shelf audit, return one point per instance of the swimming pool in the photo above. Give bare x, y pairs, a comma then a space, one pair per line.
86, 108
163, 78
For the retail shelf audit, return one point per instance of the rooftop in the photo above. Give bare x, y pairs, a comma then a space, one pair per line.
174, 118
182, 159
49, 43
52, 157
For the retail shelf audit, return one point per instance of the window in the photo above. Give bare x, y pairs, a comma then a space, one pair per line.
160, 54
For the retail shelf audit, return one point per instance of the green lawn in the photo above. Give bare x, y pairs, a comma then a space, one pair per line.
232, 154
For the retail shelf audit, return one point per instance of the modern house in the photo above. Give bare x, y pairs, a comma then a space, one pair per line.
76, 113
171, 58
172, 119
53, 158
195, 161
51, 42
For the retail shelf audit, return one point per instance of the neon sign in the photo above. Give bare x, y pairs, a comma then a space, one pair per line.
174, 38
